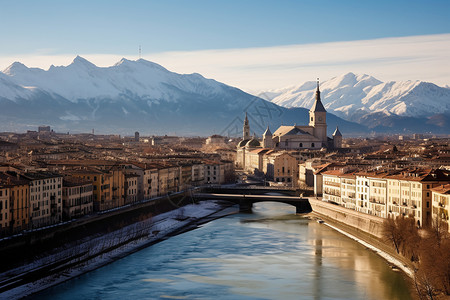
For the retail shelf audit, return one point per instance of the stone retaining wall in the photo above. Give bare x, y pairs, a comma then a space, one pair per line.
359, 221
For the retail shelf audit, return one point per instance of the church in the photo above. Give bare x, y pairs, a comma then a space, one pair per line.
294, 137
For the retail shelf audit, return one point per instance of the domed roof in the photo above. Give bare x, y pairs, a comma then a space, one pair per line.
253, 143
243, 143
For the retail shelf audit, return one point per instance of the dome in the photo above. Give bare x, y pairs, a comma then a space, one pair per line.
242, 143
253, 143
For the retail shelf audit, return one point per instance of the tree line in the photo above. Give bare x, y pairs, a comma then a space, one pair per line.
427, 249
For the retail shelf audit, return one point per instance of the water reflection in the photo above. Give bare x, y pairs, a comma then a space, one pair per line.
270, 254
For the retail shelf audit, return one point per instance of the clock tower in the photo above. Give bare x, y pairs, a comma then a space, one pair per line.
318, 118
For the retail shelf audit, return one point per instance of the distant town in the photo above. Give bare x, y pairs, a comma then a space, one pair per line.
47, 178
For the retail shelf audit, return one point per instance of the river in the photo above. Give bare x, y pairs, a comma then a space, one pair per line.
269, 254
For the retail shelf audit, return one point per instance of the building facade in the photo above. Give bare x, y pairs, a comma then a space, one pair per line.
77, 198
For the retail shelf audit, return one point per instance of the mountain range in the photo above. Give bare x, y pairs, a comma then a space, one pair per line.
137, 96
405, 106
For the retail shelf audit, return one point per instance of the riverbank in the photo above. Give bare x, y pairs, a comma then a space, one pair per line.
366, 238
93, 253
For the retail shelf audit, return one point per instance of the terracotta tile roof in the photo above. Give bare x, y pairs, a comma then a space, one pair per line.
443, 189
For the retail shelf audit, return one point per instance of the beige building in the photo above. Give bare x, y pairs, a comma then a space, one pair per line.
282, 168
409, 192
131, 188
441, 203
150, 182
405, 192
348, 190
198, 174
332, 186
45, 198
77, 198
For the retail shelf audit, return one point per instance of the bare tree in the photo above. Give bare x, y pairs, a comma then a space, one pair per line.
392, 234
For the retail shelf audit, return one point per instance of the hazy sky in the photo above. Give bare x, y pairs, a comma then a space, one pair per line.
253, 45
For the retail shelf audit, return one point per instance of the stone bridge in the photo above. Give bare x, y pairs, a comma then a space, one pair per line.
246, 201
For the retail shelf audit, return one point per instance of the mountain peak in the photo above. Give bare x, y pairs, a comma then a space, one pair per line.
353, 95
123, 61
80, 61
14, 68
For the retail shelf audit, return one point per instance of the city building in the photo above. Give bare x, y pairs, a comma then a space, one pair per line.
77, 197
131, 188
19, 201
404, 192
441, 203
5, 216
313, 136
45, 198
282, 168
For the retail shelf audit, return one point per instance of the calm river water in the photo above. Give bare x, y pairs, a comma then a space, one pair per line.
270, 254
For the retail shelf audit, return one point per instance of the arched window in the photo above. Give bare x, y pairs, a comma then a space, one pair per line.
312, 145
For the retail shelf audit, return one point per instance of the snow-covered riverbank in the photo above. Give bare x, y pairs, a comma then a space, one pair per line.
94, 252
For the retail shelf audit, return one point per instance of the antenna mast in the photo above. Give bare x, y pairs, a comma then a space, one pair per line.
139, 51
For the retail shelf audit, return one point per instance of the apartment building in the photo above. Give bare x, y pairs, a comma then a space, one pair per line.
45, 198
131, 188
5, 216
19, 201
77, 197
109, 186
150, 182
441, 203
383, 194
198, 174
282, 168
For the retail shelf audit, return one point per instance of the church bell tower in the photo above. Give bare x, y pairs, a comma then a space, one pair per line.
246, 129
318, 117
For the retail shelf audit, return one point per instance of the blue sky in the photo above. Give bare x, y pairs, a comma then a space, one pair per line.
57, 29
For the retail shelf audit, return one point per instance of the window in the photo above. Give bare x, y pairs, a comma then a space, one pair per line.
312, 145
301, 145
312, 118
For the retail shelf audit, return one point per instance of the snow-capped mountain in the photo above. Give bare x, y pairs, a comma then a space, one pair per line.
356, 97
136, 95
83, 80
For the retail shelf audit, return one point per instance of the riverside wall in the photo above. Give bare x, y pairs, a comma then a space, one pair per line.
357, 221
23, 248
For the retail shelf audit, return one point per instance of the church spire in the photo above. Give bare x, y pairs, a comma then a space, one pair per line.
246, 129
318, 106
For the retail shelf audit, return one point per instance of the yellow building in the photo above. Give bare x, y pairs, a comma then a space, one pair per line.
441, 203
282, 168
109, 186
409, 192
18, 203
5, 216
